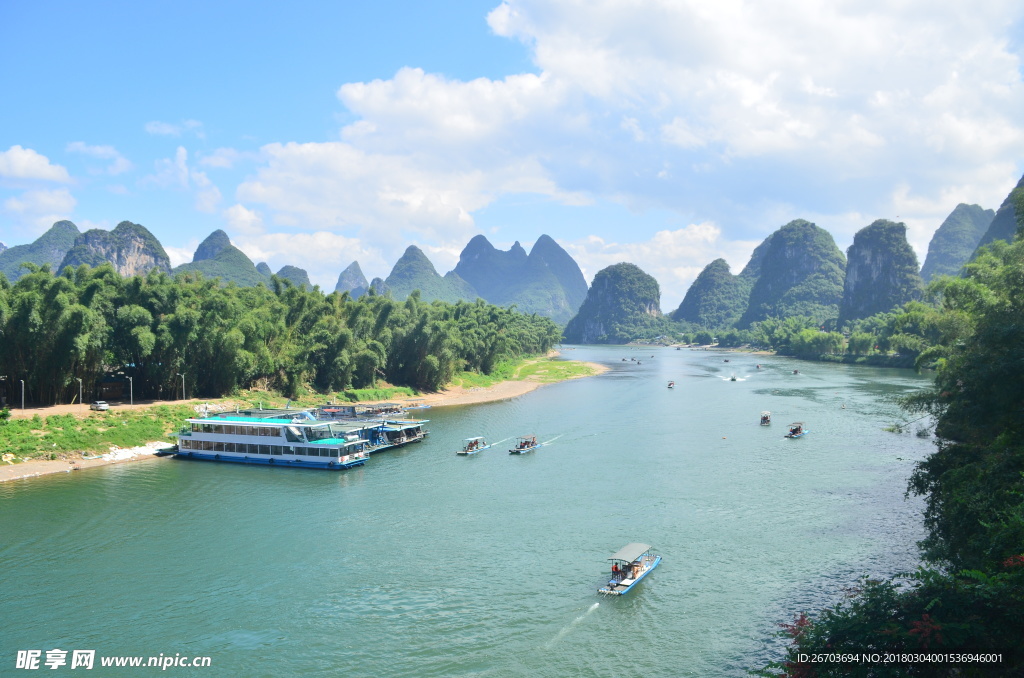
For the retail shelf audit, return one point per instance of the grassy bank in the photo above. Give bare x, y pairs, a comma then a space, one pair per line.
60, 436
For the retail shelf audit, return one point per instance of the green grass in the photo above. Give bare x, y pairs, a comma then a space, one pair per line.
549, 370
544, 370
62, 434
503, 371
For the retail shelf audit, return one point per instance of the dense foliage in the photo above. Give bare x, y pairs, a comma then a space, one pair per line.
87, 323
970, 597
802, 274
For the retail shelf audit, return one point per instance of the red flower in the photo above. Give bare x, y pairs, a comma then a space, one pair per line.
1014, 561
800, 624
927, 630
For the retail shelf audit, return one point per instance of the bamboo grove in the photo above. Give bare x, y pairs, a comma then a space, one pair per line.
90, 323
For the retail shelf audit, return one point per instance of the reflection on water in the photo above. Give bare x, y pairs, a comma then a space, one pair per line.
425, 563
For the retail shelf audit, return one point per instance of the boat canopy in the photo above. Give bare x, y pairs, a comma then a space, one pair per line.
766, 412
477, 438
797, 423
631, 552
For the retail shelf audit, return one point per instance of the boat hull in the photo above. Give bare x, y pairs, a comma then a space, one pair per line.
610, 590
279, 463
524, 450
798, 435
474, 451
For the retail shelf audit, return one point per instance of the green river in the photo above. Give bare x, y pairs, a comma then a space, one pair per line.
424, 563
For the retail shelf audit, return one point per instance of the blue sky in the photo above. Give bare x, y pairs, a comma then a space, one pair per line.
665, 133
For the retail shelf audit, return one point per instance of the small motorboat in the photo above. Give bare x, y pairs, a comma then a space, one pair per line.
630, 564
766, 418
732, 378
797, 430
671, 384
525, 444
474, 445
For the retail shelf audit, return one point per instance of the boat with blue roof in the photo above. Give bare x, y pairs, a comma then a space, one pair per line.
291, 438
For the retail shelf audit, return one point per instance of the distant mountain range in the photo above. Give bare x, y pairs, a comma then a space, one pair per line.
547, 281
797, 270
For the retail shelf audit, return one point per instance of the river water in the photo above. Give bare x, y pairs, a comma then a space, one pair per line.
424, 563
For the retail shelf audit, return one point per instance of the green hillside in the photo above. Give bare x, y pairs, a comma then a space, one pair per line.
413, 271
623, 304
49, 248
716, 298
802, 274
216, 257
955, 240
296, 276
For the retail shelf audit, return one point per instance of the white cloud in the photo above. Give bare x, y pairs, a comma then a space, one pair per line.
176, 173
244, 220
181, 255
727, 113
207, 195
118, 165
40, 209
159, 128
25, 163
388, 198
225, 158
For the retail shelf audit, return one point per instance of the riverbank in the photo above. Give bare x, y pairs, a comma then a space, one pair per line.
528, 376
42, 467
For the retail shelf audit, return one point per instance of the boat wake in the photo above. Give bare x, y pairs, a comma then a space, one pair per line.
548, 442
570, 626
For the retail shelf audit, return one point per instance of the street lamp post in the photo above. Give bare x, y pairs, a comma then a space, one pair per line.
79, 394
182, 385
22, 394
131, 391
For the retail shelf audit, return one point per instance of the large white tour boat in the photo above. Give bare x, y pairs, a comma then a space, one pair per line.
292, 438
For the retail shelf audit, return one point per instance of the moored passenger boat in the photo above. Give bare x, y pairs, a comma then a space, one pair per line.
398, 432
630, 564
275, 437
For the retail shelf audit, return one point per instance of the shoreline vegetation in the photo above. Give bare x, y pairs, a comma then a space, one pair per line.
79, 438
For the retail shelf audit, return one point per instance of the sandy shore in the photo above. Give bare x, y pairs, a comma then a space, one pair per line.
43, 467
455, 395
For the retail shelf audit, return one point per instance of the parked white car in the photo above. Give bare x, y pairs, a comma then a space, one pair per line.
99, 405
